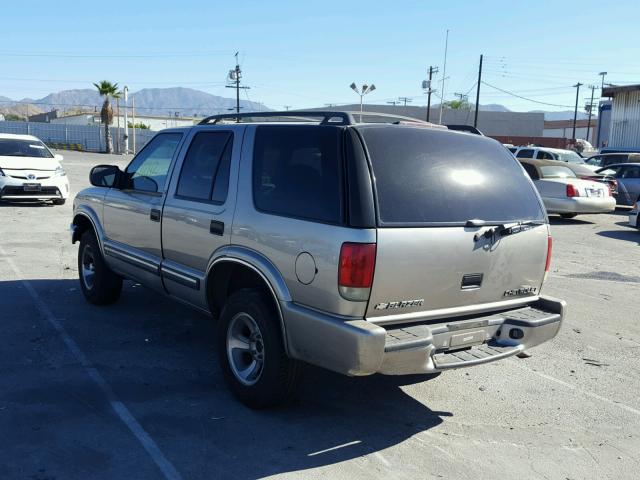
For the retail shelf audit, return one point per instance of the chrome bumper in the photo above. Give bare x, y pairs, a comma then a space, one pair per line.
359, 347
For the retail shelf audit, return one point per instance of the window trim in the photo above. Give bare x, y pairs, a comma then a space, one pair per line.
169, 170
342, 221
228, 144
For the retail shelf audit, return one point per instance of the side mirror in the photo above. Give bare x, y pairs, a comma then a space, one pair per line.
105, 176
58, 157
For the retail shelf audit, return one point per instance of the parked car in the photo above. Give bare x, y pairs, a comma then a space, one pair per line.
585, 173
604, 159
360, 248
545, 153
627, 176
564, 193
30, 171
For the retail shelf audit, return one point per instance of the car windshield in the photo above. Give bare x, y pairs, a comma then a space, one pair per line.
568, 156
13, 147
552, 171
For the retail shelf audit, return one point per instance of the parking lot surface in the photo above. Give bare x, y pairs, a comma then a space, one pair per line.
133, 390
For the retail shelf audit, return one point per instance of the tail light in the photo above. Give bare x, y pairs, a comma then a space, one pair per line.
547, 263
355, 271
572, 191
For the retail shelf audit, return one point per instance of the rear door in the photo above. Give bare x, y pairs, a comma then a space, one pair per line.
430, 187
199, 209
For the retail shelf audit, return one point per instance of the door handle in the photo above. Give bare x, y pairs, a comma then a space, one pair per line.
216, 228
154, 215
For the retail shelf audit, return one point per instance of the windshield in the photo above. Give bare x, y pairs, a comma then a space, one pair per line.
429, 176
556, 172
12, 147
568, 156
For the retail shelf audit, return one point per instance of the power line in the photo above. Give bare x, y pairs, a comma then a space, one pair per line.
525, 98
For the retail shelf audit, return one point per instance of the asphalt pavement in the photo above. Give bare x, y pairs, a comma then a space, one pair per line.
134, 391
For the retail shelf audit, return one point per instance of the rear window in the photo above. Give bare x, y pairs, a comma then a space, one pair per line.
297, 172
428, 176
551, 171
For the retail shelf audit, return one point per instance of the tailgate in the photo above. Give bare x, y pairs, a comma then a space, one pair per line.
423, 272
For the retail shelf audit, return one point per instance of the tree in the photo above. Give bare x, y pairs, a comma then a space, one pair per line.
458, 105
107, 90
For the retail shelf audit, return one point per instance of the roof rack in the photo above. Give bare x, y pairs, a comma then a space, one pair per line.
326, 117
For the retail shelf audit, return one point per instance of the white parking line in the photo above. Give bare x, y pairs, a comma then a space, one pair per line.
165, 466
586, 393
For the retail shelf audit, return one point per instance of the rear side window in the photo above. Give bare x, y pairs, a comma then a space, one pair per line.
542, 155
297, 172
429, 176
205, 170
525, 153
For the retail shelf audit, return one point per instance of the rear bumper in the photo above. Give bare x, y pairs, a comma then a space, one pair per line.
359, 347
580, 205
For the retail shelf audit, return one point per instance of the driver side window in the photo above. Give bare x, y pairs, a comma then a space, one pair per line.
148, 171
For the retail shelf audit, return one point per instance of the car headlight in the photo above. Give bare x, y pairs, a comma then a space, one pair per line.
60, 172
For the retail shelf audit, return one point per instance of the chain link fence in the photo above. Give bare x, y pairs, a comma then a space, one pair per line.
90, 138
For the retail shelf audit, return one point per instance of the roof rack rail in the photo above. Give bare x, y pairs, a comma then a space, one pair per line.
328, 118
324, 117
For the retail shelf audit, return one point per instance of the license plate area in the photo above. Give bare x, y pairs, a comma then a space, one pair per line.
32, 187
467, 339
594, 192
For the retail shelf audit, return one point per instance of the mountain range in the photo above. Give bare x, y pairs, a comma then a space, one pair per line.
148, 101
167, 101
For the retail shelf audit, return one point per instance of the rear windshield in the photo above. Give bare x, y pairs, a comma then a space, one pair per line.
569, 156
13, 147
429, 176
556, 172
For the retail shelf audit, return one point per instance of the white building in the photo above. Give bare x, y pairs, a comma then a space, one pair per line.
624, 130
152, 122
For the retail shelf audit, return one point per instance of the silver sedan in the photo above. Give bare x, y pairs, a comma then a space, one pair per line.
628, 177
564, 193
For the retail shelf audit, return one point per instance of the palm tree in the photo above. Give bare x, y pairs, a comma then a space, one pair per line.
107, 90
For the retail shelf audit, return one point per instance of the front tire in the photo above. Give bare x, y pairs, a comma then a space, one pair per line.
99, 284
251, 351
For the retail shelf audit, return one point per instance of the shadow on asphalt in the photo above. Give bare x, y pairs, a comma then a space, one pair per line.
555, 220
158, 357
631, 235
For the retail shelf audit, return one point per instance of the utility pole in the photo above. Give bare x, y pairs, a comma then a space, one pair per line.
592, 87
118, 149
393, 102
602, 74
444, 75
235, 75
133, 121
475, 117
427, 85
575, 111
405, 100
287, 107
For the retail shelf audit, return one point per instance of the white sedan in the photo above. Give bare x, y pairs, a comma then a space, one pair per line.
30, 171
564, 193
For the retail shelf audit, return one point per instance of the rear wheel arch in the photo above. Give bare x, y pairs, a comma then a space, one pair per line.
228, 276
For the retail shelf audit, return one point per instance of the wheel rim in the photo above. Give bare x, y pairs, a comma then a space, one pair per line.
88, 267
245, 348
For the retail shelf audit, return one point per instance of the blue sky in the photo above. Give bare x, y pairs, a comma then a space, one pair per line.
306, 53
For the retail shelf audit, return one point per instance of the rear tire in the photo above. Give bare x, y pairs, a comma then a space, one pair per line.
59, 201
568, 215
251, 351
99, 284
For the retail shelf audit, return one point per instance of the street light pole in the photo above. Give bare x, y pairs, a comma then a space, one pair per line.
365, 89
126, 122
444, 74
